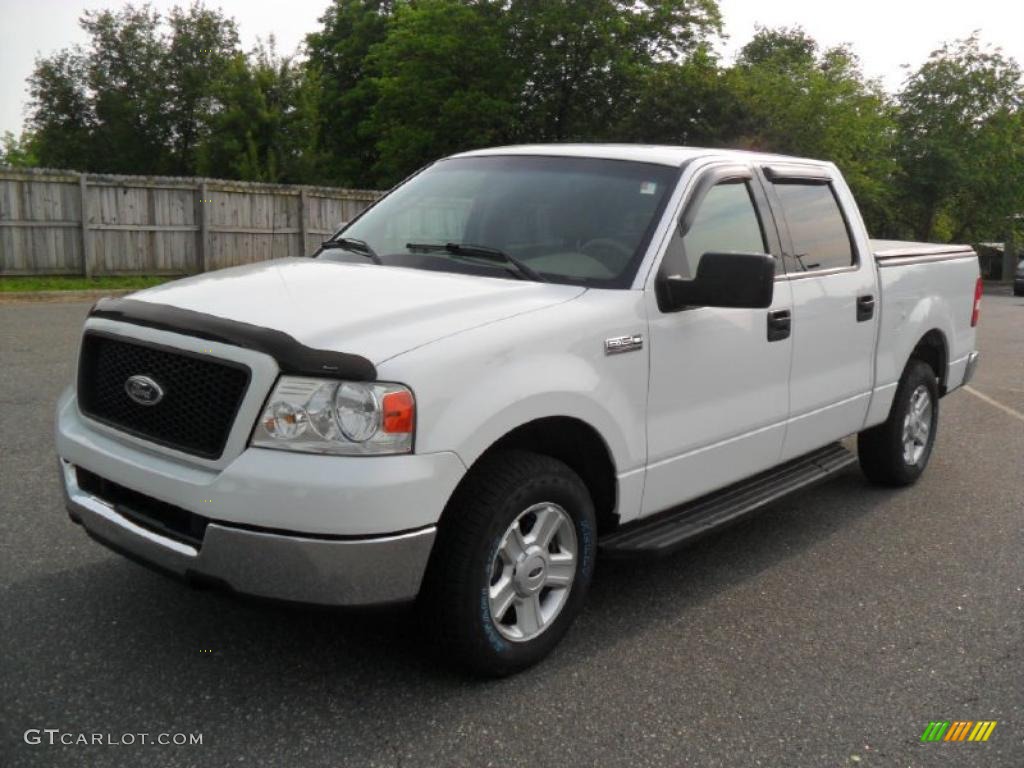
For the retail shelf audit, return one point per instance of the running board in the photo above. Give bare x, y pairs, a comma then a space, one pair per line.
666, 531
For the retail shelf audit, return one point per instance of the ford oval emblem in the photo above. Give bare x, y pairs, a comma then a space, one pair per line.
143, 390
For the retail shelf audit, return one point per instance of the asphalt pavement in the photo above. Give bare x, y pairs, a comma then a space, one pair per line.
828, 630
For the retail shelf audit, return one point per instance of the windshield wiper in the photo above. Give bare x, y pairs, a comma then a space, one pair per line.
480, 252
352, 244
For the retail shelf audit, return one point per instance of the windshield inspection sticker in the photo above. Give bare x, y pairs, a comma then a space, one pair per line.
648, 187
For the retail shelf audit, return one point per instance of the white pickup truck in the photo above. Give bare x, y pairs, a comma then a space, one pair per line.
515, 360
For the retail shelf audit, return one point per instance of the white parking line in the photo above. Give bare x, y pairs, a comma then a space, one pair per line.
1016, 414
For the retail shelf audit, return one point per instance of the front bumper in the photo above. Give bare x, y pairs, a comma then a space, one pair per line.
325, 571
330, 530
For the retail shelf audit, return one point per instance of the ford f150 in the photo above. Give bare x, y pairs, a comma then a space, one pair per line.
515, 360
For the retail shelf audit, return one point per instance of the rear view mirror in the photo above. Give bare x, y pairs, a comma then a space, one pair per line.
739, 280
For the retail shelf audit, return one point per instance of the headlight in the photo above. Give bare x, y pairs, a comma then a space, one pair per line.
343, 417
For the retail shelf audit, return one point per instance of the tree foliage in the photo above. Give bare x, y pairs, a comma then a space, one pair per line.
17, 152
581, 63
382, 87
961, 143
442, 84
63, 116
687, 102
262, 122
339, 60
170, 96
794, 98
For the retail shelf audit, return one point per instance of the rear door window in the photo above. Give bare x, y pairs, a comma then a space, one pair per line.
817, 228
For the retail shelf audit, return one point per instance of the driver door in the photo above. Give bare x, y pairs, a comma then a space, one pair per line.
719, 378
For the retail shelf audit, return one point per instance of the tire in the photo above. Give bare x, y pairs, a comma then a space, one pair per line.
472, 568
885, 453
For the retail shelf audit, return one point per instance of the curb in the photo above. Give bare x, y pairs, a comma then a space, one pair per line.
52, 297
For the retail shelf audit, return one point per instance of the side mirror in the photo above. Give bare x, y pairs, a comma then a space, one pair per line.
740, 280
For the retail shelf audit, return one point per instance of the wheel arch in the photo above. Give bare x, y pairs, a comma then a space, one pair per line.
933, 348
577, 444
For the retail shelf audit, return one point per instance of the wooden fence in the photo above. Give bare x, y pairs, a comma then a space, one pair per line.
70, 223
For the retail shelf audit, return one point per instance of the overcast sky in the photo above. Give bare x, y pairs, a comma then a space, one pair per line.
886, 33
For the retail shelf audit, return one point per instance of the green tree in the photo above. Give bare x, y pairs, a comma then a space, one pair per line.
17, 152
338, 64
262, 122
61, 118
201, 45
126, 83
961, 143
680, 102
582, 62
784, 47
443, 85
135, 99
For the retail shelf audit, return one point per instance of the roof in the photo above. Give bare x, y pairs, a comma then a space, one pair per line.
643, 153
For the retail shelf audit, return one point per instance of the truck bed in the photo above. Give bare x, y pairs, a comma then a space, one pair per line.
922, 285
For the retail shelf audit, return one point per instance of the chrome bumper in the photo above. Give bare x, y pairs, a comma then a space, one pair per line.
325, 571
972, 366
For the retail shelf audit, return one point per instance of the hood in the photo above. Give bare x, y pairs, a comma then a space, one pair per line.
363, 309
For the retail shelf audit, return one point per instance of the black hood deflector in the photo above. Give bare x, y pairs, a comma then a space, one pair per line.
291, 355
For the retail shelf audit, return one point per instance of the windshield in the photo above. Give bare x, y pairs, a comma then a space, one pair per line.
572, 220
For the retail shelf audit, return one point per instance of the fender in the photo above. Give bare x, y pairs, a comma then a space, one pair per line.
474, 388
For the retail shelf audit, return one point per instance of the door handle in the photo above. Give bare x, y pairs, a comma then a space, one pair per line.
780, 323
865, 308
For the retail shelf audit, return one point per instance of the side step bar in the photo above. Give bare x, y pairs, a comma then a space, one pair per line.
667, 531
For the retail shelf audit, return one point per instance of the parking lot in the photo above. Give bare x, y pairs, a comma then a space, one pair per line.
826, 631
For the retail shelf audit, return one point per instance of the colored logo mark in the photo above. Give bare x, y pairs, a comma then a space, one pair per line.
958, 730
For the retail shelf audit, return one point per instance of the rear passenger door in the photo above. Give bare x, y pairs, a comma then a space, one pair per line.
835, 315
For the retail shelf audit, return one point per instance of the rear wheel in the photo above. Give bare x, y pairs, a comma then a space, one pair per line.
512, 564
896, 452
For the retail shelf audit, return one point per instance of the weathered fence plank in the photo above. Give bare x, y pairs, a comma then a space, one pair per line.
83, 216
55, 222
201, 212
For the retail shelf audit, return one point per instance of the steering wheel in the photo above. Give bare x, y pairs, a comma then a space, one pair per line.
611, 253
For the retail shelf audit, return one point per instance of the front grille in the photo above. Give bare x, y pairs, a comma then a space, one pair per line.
201, 396
158, 516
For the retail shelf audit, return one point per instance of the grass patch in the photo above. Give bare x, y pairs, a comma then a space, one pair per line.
43, 283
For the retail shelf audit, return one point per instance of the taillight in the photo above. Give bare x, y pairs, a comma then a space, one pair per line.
979, 287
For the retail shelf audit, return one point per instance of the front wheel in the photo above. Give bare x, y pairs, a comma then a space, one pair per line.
512, 564
896, 452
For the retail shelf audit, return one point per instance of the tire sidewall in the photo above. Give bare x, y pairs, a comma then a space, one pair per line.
570, 494
918, 374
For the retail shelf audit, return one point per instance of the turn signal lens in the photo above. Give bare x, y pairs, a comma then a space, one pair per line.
399, 412
284, 421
